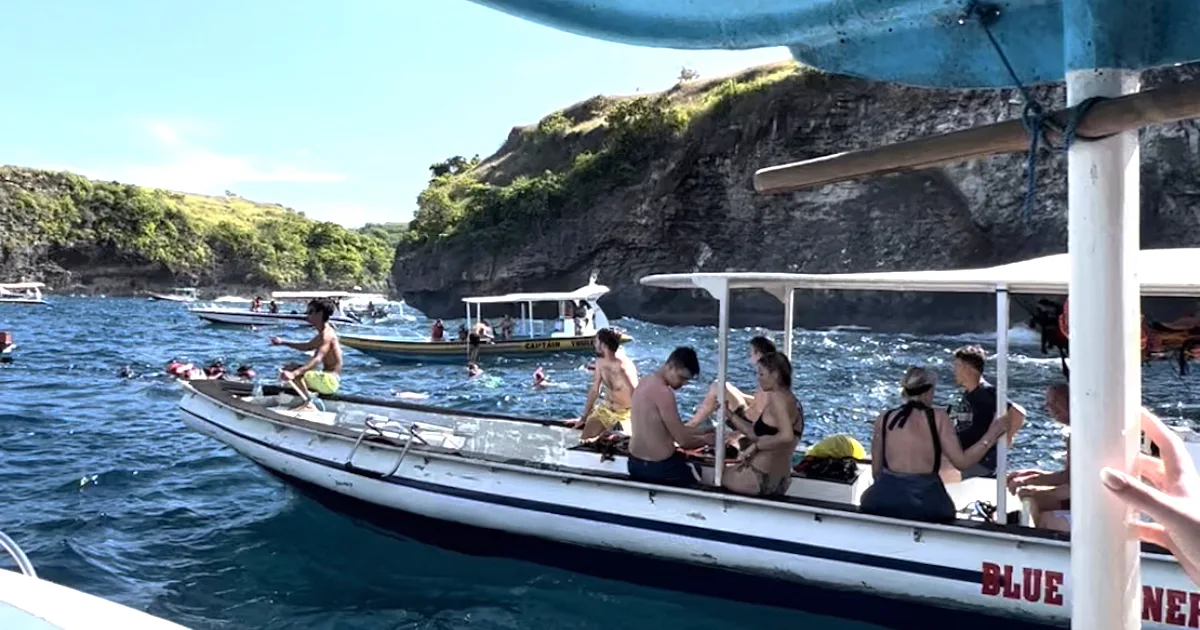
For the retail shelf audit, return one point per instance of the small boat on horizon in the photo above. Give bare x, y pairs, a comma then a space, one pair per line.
22, 293
573, 330
178, 294
293, 315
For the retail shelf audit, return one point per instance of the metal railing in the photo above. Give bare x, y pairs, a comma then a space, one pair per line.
14, 550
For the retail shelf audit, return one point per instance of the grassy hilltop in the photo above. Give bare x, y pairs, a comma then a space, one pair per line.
71, 231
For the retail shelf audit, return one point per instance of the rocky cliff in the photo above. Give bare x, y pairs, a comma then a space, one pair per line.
663, 183
86, 236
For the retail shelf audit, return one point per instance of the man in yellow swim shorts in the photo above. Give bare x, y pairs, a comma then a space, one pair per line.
327, 352
618, 376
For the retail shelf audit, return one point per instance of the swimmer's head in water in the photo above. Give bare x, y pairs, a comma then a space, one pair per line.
607, 342
774, 372
760, 347
917, 383
682, 366
968, 365
319, 311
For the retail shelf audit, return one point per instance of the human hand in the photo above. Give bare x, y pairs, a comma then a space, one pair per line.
1000, 425
1017, 478
1169, 494
574, 423
287, 375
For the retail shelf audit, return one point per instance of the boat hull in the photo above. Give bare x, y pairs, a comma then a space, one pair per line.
25, 301
242, 317
956, 567
161, 297
394, 350
27, 602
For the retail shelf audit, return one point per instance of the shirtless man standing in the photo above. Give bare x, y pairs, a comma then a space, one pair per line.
618, 375
326, 351
657, 427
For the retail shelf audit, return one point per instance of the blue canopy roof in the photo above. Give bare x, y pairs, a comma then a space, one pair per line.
921, 42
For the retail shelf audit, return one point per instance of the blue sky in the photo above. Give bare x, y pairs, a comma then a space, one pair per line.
333, 108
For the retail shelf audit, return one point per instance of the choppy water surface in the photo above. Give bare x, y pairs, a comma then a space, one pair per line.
109, 493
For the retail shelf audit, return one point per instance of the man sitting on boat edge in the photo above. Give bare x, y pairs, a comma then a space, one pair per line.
1049, 492
658, 427
326, 351
617, 374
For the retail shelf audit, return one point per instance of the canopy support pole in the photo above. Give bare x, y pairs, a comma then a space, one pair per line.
722, 378
1002, 403
789, 313
1103, 199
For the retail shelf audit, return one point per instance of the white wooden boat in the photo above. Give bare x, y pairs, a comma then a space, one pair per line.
531, 337
531, 478
28, 602
179, 294
22, 293
291, 311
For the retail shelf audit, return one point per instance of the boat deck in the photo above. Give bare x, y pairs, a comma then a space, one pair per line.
583, 460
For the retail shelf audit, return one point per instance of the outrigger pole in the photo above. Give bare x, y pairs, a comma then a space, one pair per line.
1153, 107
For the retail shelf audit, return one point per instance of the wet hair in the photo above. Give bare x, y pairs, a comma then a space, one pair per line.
763, 345
973, 356
778, 364
609, 338
323, 307
685, 357
917, 381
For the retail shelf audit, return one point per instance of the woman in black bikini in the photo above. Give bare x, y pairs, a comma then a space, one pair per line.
765, 468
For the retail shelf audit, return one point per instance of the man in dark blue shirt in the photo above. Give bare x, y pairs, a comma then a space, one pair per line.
973, 413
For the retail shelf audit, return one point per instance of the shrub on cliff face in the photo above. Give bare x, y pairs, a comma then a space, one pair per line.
456, 202
190, 235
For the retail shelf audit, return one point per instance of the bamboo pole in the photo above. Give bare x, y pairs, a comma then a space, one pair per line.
1151, 107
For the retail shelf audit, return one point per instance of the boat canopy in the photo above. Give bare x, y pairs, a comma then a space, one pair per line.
590, 293
1161, 272
308, 295
21, 286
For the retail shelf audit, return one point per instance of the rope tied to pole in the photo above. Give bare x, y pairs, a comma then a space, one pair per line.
1033, 115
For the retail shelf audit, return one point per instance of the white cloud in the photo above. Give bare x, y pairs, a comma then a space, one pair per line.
189, 167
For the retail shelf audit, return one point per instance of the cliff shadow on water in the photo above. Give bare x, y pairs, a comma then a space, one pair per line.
660, 183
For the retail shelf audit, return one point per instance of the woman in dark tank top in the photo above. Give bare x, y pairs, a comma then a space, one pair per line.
910, 487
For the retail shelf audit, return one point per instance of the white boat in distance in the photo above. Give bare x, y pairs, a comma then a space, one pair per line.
22, 293
181, 294
531, 478
292, 314
29, 602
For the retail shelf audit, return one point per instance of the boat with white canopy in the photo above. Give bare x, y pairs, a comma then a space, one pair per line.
532, 477
572, 330
22, 293
30, 602
291, 312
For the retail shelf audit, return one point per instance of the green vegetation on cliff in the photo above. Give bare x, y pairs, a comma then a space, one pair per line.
470, 198
52, 217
